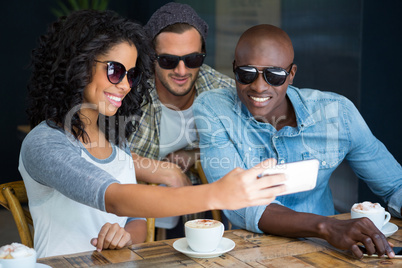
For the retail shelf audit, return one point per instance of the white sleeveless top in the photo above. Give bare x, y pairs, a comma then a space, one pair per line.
66, 187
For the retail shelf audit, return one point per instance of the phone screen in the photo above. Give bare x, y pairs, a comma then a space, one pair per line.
397, 250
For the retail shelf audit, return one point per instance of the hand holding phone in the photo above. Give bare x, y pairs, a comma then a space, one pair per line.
300, 176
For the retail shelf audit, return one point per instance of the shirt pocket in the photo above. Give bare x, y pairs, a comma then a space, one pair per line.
252, 154
327, 158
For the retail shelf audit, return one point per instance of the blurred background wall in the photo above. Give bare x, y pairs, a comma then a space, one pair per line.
352, 47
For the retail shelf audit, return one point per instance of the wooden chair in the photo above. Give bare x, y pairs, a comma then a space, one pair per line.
12, 194
151, 226
150, 230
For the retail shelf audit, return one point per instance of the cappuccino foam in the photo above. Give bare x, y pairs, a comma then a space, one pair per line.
366, 206
203, 224
15, 250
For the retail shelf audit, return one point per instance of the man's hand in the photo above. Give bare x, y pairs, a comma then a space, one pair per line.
347, 234
185, 159
342, 234
160, 172
174, 176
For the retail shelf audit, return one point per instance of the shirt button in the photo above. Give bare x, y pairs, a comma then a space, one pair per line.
282, 161
249, 148
323, 163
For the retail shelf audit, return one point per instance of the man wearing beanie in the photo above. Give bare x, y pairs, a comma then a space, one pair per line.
166, 129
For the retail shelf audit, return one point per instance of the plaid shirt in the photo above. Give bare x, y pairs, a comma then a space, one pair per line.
145, 141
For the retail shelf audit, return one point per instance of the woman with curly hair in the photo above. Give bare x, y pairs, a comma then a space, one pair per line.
89, 79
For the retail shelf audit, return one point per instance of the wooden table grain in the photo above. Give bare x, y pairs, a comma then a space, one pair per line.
251, 250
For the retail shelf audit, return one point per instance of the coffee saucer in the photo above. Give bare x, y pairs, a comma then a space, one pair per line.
224, 246
389, 229
41, 265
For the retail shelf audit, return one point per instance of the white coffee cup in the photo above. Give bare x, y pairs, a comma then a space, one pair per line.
17, 255
374, 211
21, 262
203, 235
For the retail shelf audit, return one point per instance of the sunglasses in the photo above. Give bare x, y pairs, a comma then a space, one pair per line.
275, 76
116, 72
194, 60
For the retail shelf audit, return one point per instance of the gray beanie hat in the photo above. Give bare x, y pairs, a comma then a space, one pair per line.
173, 13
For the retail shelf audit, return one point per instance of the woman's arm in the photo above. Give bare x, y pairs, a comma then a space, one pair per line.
55, 162
239, 188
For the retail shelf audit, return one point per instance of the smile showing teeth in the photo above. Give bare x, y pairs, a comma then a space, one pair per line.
114, 98
259, 99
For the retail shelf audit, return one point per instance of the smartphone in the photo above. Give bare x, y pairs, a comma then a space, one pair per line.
300, 176
397, 250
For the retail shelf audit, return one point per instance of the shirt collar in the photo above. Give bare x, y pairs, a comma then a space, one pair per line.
303, 116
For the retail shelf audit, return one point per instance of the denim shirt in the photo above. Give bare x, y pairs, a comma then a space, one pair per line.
329, 128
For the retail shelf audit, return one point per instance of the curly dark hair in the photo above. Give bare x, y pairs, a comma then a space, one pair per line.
62, 67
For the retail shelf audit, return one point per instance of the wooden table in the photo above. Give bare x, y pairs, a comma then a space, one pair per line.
252, 250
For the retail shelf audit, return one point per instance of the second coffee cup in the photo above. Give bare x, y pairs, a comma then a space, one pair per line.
374, 211
203, 235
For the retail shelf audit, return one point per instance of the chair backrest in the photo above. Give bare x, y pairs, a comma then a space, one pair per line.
151, 225
150, 230
12, 194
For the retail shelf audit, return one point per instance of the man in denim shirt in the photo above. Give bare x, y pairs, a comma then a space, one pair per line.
269, 118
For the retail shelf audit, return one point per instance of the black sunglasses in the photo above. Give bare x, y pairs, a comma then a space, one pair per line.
116, 72
192, 61
275, 76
